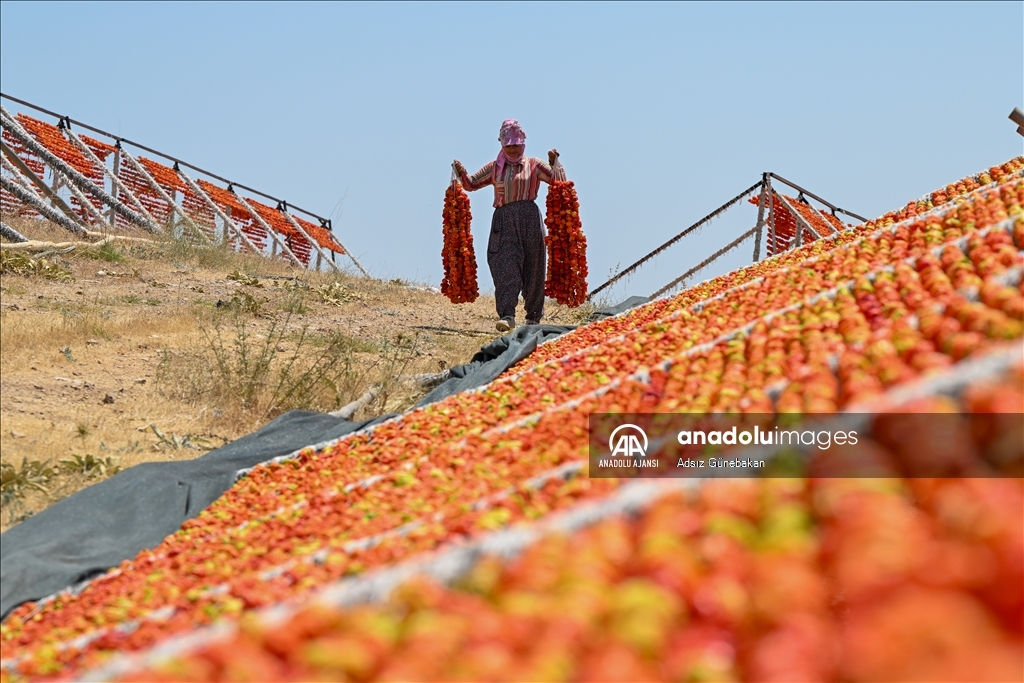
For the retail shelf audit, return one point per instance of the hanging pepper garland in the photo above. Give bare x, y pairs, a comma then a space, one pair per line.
567, 246
459, 259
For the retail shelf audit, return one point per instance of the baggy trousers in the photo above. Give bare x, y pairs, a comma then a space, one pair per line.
517, 258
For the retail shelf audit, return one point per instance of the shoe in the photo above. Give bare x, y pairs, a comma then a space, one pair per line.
533, 322
502, 326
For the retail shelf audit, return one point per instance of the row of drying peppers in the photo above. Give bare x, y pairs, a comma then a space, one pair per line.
960, 213
457, 255
806, 343
778, 579
566, 280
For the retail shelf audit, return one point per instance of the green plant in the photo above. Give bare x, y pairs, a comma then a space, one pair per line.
336, 293
14, 481
253, 371
243, 302
176, 442
296, 303
67, 354
105, 252
242, 278
90, 466
20, 264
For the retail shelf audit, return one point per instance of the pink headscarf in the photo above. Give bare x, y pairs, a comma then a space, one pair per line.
510, 134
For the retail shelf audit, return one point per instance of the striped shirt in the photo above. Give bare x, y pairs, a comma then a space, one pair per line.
521, 180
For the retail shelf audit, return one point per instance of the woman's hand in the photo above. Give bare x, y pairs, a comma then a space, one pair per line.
459, 168
552, 156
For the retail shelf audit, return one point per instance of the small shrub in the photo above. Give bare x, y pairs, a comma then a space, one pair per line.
90, 466
20, 264
14, 481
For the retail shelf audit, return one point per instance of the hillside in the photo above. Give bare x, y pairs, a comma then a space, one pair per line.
133, 353
480, 538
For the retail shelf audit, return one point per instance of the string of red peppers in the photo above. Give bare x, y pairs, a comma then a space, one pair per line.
457, 255
567, 246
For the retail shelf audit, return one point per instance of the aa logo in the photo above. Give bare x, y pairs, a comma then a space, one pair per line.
630, 443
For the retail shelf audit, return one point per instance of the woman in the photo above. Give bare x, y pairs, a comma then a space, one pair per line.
516, 253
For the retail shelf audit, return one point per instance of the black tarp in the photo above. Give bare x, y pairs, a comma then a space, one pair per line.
100, 526
493, 359
111, 521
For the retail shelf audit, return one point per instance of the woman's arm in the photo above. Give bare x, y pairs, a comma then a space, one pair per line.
481, 178
552, 171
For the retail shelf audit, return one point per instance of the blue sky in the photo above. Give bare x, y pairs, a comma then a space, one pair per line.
661, 111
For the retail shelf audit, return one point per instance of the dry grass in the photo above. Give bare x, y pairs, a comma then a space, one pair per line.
163, 351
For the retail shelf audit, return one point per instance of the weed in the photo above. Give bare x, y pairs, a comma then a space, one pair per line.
90, 466
243, 302
242, 278
263, 375
336, 293
82, 429
67, 354
20, 264
105, 252
14, 481
176, 442
296, 303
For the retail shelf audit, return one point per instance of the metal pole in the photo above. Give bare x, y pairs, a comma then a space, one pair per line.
675, 239
270, 231
703, 264
116, 186
771, 219
828, 223
811, 194
228, 223
58, 164
151, 181
760, 217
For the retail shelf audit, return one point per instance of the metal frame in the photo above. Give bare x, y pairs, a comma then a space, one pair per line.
121, 200
766, 184
801, 222
151, 181
270, 231
228, 223
830, 205
324, 221
717, 212
20, 167
31, 198
706, 262
316, 245
115, 182
71, 174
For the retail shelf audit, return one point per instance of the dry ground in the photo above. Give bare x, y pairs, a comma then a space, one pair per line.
147, 352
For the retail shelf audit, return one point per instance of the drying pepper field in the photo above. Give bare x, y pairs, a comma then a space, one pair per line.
465, 541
